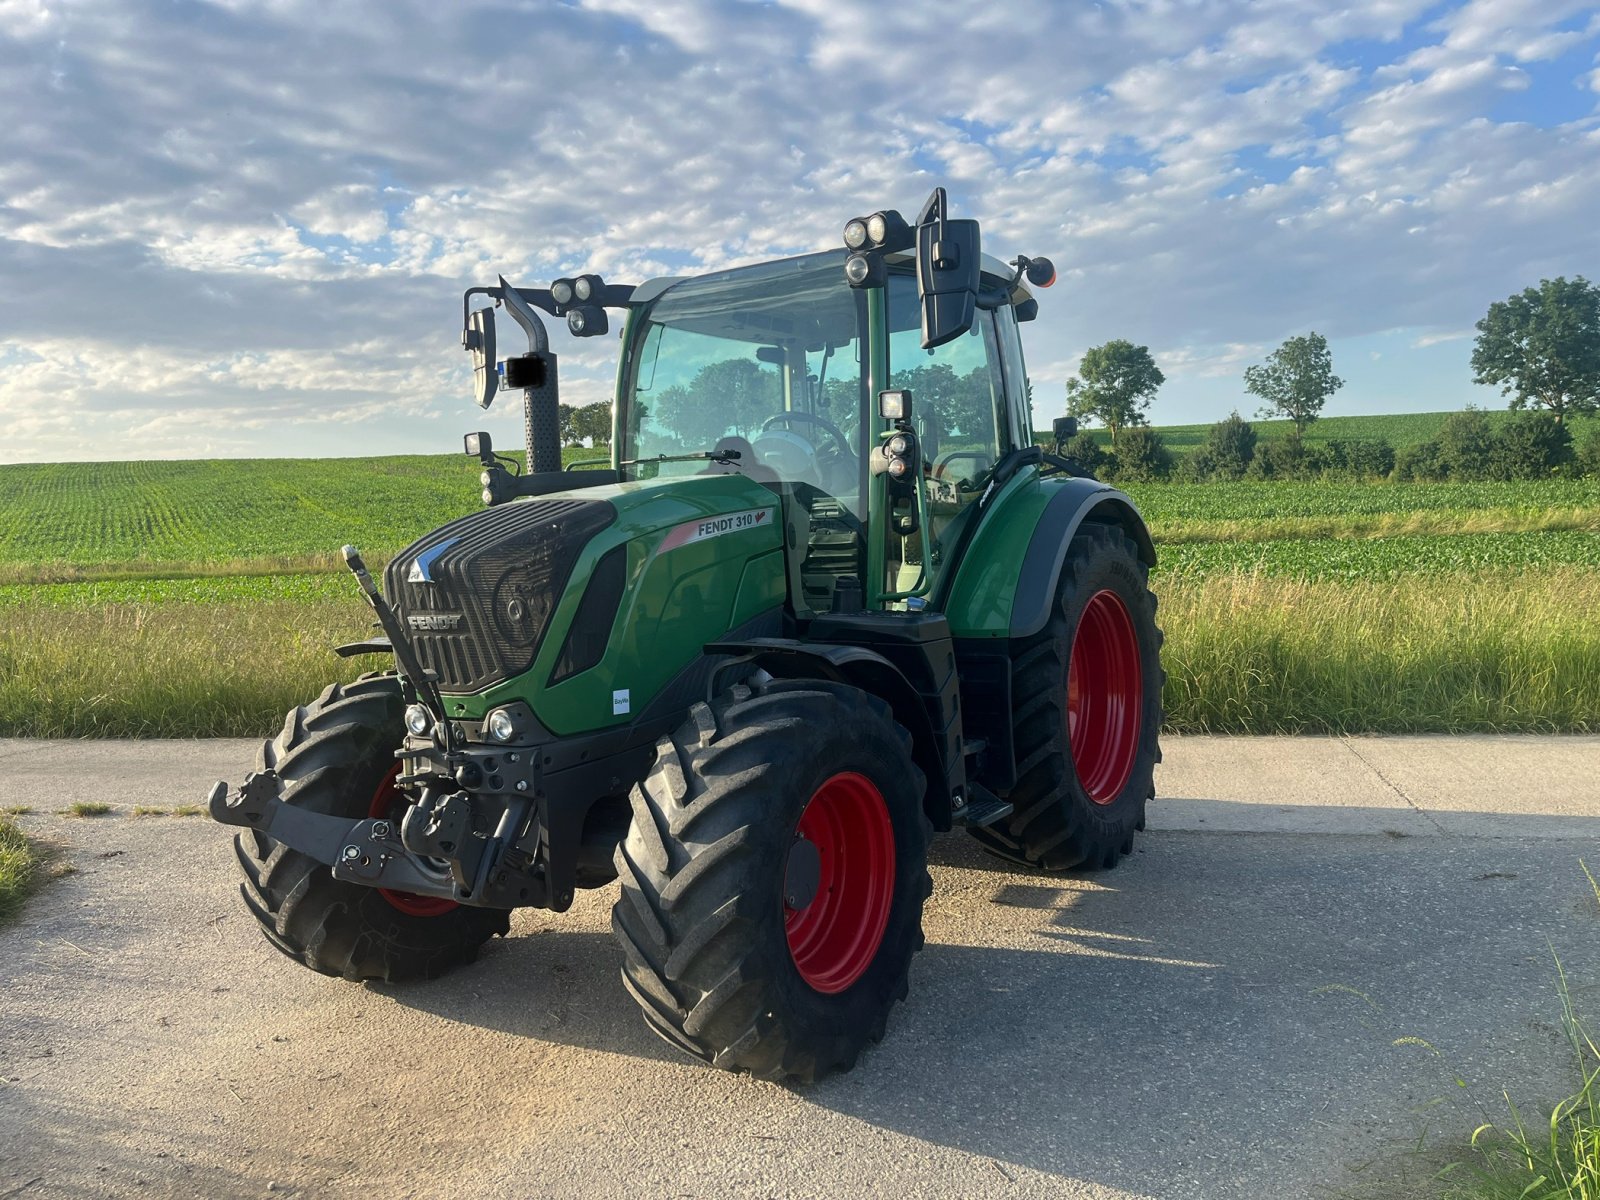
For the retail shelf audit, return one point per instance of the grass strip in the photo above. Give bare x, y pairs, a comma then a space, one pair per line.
1493, 651
1246, 652
22, 864
1557, 1158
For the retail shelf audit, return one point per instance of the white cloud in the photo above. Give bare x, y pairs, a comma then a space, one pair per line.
244, 227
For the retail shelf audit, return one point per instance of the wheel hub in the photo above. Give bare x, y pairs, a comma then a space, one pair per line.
1105, 697
839, 882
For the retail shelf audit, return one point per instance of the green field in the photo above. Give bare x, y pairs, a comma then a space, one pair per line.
201, 598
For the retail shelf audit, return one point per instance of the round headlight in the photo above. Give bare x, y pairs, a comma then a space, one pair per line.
488, 496
857, 268
584, 287
855, 234
576, 320
877, 229
500, 726
561, 291
898, 444
418, 719
897, 467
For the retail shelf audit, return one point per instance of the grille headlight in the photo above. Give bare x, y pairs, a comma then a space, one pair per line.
418, 719
500, 726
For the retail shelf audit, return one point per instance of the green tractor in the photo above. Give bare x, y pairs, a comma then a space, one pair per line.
826, 598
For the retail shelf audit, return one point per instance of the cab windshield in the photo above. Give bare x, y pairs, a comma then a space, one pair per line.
763, 362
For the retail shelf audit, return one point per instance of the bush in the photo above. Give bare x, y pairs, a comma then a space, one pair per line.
1530, 446
1283, 458
1356, 459
1422, 463
1086, 451
1140, 457
1588, 458
1230, 446
1466, 445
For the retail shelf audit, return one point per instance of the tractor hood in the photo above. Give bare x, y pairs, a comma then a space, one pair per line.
585, 604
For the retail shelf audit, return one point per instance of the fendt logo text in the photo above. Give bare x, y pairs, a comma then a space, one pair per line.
434, 622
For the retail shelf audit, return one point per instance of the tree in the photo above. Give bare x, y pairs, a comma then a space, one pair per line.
1295, 381
593, 422
1142, 458
732, 396
1542, 347
1114, 385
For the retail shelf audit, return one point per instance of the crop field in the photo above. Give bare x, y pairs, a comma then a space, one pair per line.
201, 598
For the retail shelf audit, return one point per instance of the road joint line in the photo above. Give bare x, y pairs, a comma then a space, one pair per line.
1394, 787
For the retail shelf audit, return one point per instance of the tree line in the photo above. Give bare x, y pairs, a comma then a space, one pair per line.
1540, 347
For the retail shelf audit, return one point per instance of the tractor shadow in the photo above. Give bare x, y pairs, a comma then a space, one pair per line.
1215, 1016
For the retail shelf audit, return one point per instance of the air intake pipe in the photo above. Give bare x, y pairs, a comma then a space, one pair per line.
535, 373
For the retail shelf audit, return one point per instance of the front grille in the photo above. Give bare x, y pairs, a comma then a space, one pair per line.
475, 596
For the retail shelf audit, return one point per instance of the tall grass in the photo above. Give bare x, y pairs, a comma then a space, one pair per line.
1492, 651
1245, 653
170, 670
1556, 1159
22, 865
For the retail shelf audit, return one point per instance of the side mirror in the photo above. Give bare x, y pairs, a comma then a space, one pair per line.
1064, 429
478, 338
949, 266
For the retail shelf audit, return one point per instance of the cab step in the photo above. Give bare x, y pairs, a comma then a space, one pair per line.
982, 808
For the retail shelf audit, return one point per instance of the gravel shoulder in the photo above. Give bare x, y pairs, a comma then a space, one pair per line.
1214, 1018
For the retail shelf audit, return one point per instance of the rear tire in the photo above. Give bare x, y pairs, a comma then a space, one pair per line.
1082, 809
773, 879
336, 755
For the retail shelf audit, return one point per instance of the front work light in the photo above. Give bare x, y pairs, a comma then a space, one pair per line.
501, 726
586, 287
855, 234
561, 291
588, 321
418, 719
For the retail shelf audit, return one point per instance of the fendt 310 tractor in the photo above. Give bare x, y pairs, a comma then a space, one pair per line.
825, 598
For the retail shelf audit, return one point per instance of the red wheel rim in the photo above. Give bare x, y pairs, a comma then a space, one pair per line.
1105, 697
834, 937
389, 802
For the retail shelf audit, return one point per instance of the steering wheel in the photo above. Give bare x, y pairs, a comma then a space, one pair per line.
827, 426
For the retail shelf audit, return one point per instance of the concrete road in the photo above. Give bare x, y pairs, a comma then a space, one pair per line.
1216, 1017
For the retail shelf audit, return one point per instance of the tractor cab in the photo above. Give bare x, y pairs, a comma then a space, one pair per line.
774, 370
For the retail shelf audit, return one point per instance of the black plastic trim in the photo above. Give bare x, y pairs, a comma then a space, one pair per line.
1075, 501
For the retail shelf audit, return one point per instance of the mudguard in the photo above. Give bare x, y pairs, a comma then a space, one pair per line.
1005, 581
1074, 502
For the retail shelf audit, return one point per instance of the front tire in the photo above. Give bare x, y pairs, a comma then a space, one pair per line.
1086, 705
773, 879
336, 755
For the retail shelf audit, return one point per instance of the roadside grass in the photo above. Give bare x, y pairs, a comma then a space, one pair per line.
88, 808
1557, 1158
1246, 652
23, 866
171, 670
1491, 651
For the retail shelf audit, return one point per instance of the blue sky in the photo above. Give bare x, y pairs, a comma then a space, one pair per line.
242, 228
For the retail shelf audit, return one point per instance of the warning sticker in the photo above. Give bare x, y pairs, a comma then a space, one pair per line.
709, 527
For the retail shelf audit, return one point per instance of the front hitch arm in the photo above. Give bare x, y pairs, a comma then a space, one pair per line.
366, 852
